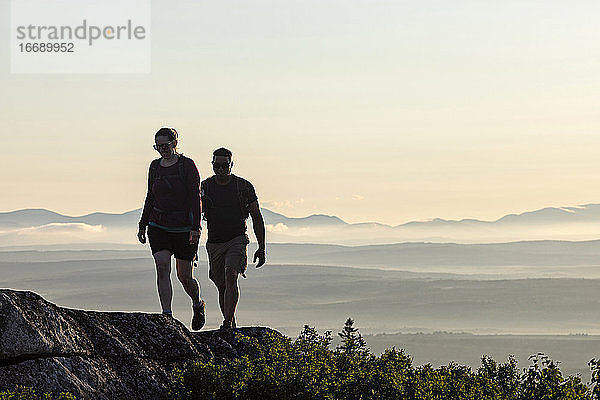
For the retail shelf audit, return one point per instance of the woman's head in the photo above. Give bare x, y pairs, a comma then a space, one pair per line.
165, 141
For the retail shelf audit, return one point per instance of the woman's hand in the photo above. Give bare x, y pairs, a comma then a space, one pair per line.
194, 237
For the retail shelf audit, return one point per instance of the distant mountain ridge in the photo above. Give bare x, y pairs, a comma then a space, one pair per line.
39, 216
583, 213
577, 223
274, 218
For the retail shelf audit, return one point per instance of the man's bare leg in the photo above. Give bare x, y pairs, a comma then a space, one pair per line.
219, 282
162, 259
189, 283
222, 300
232, 293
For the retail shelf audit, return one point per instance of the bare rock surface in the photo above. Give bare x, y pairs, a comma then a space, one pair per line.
99, 355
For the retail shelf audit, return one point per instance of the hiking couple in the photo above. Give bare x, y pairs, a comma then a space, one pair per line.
172, 210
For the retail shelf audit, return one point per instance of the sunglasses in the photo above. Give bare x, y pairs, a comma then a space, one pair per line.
220, 165
162, 146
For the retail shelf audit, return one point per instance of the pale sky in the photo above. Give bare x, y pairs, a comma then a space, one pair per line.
385, 111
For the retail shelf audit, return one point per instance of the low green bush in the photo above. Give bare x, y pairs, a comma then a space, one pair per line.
27, 393
307, 368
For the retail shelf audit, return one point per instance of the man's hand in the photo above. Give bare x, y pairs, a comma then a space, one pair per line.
260, 254
194, 237
142, 235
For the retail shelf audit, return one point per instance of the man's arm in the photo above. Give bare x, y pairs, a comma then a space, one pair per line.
258, 223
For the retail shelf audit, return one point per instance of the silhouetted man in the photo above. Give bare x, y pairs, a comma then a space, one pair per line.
227, 202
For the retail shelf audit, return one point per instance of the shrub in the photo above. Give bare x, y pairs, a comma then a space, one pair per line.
27, 393
595, 381
307, 368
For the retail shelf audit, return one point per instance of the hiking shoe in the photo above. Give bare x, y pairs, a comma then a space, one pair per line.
228, 325
225, 326
199, 316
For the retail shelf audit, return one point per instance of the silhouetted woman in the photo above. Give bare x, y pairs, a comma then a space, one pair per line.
172, 213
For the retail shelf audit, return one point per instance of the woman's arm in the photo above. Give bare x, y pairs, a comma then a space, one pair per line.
148, 203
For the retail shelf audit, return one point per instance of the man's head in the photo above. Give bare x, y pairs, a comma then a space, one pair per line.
222, 162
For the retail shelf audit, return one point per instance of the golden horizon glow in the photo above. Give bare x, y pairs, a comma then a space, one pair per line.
382, 112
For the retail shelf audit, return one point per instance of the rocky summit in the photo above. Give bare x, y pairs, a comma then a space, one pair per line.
99, 355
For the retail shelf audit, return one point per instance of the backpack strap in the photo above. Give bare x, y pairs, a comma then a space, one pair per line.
206, 200
181, 171
153, 170
242, 191
181, 168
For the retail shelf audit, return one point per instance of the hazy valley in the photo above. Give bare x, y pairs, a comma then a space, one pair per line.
404, 290
518, 297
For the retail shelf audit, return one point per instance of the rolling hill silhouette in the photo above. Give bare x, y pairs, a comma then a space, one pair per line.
555, 223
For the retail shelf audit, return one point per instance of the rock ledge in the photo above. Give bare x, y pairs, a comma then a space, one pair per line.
99, 355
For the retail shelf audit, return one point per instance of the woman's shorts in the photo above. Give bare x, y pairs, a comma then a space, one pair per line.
178, 243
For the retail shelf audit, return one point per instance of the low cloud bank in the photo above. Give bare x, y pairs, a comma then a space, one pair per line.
60, 233
280, 227
56, 227
361, 234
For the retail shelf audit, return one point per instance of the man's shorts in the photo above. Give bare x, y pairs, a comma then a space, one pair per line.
178, 243
232, 254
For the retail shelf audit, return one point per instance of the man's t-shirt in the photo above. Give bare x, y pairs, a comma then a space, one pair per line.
226, 220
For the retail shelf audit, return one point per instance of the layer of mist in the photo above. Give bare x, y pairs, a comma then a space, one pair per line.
409, 291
